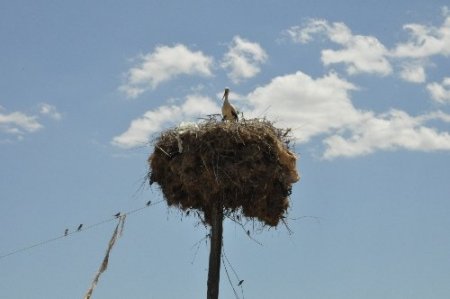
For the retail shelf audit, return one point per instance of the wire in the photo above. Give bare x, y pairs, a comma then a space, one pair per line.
225, 259
231, 266
229, 279
41, 243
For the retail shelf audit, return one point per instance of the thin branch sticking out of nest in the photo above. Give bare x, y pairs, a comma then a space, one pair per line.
247, 165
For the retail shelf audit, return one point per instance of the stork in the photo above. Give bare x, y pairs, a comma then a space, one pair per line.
228, 111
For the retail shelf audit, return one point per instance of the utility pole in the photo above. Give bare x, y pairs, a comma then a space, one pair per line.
216, 167
216, 249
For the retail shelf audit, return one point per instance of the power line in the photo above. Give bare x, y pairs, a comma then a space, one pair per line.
240, 281
229, 279
85, 228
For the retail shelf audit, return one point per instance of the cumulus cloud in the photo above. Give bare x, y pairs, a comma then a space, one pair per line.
413, 72
313, 106
360, 53
389, 131
163, 64
440, 92
323, 107
50, 111
157, 119
366, 54
305, 34
243, 59
18, 123
425, 41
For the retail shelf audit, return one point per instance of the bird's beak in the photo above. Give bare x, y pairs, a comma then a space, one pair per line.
225, 94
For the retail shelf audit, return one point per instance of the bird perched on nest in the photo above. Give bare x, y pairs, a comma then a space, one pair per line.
228, 111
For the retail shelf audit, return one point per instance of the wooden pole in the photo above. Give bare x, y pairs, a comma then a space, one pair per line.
216, 249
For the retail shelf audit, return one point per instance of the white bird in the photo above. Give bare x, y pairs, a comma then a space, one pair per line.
228, 111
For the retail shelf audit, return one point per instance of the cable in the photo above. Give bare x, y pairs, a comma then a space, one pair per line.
225, 259
231, 266
41, 243
229, 279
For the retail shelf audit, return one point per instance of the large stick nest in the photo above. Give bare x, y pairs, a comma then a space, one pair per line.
247, 165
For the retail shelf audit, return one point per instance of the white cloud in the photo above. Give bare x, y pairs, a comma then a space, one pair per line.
366, 54
155, 120
320, 107
425, 40
323, 107
304, 34
413, 72
18, 123
163, 64
243, 59
389, 131
360, 53
440, 92
50, 111
435, 115
313, 106
310, 106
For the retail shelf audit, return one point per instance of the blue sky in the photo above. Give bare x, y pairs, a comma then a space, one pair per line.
85, 86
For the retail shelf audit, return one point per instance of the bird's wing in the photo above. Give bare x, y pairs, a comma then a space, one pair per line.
233, 112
